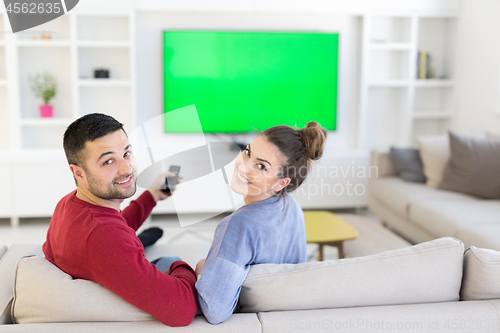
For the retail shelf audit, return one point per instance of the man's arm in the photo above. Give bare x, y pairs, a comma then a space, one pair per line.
139, 210
116, 261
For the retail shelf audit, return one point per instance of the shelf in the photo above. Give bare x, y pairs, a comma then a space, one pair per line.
432, 115
105, 29
390, 46
46, 121
390, 29
43, 43
104, 83
104, 44
389, 64
116, 60
389, 83
434, 83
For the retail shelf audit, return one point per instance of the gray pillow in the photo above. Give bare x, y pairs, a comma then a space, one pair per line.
474, 167
408, 164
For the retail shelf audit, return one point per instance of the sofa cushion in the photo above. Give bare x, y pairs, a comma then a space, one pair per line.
492, 136
446, 217
45, 294
456, 317
435, 153
473, 167
3, 250
485, 235
7, 271
481, 274
238, 322
408, 164
399, 195
424, 273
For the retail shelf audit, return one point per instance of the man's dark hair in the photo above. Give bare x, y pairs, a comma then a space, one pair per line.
87, 128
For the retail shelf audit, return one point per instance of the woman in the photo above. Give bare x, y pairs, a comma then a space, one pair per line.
269, 228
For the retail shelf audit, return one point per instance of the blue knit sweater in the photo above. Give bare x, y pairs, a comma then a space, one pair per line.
270, 231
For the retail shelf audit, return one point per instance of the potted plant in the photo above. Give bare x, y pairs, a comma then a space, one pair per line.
44, 86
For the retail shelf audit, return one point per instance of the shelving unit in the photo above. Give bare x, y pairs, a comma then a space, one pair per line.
4, 89
106, 41
70, 47
396, 107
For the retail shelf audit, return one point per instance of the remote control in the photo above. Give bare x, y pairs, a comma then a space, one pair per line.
172, 180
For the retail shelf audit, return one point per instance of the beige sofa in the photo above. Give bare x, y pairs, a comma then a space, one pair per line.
421, 213
413, 289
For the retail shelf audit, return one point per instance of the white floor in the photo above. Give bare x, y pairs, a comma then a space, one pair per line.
33, 231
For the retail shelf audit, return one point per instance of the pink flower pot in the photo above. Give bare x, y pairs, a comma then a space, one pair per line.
46, 110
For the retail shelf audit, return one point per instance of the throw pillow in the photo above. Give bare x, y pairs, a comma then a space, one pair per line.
408, 164
474, 167
481, 272
424, 273
435, 153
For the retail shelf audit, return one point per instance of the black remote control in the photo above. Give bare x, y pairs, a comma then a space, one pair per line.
172, 180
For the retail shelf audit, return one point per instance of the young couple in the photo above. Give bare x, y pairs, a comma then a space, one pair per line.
90, 238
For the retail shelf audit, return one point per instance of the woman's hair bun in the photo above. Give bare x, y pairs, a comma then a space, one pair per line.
314, 137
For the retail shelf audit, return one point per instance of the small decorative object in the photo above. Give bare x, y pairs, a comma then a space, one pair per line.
101, 73
46, 35
44, 86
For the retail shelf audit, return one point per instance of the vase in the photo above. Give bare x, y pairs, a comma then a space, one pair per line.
46, 110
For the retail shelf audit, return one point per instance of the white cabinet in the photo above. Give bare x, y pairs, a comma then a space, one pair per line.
38, 188
5, 192
396, 106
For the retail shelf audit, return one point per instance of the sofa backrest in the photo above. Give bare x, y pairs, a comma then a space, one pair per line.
481, 275
45, 294
424, 273
8, 264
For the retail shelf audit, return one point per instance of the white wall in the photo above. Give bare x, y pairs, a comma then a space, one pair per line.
478, 66
150, 62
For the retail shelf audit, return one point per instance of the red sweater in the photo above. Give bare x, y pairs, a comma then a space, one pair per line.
99, 244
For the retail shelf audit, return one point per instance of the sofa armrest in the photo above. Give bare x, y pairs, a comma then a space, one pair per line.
381, 160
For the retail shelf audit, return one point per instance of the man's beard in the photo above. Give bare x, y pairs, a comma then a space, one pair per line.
110, 192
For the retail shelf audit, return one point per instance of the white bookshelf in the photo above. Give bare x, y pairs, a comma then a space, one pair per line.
70, 48
5, 132
396, 107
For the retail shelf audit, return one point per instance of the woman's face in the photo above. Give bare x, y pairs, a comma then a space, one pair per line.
256, 171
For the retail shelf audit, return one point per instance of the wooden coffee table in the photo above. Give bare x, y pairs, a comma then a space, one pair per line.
326, 228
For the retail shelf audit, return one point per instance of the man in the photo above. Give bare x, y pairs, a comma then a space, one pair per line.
90, 238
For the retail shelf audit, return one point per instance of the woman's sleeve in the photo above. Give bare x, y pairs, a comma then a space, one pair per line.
219, 288
226, 267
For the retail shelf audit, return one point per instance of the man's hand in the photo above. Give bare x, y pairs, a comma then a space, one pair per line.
199, 267
159, 183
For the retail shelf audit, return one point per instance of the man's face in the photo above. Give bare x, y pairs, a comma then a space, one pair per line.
110, 168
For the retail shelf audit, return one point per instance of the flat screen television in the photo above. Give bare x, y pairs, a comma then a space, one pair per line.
246, 81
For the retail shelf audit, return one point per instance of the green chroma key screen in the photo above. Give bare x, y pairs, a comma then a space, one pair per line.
246, 81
